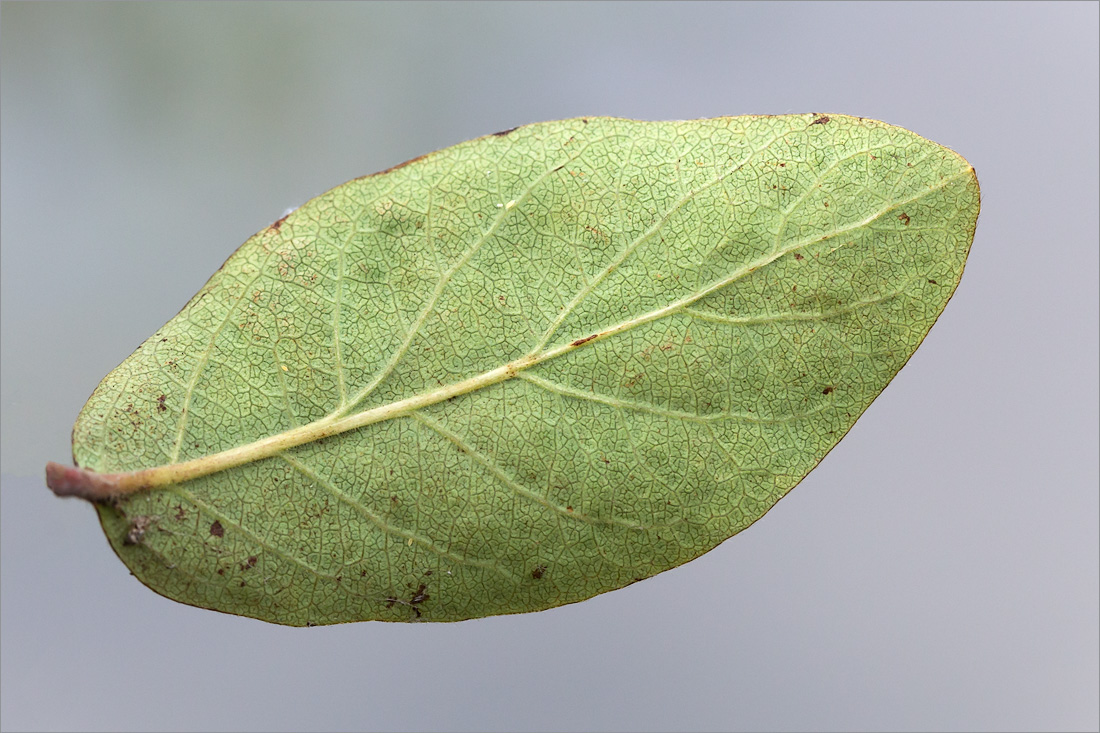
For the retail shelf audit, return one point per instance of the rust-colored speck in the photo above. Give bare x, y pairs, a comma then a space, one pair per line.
160, 403
903, 218
538, 571
585, 340
502, 133
391, 169
420, 596
798, 257
827, 390
278, 223
216, 529
820, 120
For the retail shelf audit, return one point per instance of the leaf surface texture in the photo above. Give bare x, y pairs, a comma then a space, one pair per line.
582, 353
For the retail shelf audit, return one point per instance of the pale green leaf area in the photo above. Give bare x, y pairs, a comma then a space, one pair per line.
527, 369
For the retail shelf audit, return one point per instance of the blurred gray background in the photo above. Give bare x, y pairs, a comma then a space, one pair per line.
939, 570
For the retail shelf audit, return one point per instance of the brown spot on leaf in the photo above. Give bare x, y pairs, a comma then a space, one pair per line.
538, 571
391, 169
820, 120
903, 218
180, 514
249, 563
160, 403
933, 282
798, 257
278, 224
585, 340
418, 597
502, 133
827, 390
216, 529
594, 230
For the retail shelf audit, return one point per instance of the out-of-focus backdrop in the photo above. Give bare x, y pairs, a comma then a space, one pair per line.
938, 571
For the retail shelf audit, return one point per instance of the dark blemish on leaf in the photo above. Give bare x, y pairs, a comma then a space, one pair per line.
568, 508
595, 231
391, 169
584, 120
242, 584
827, 390
160, 403
538, 571
798, 257
278, 223
427, 572
502, 133
249, 563
933, 282
903, 218
136, 533
216, 529
180, 514
221, 571
163, 340
820, 120
585, 340
418, 597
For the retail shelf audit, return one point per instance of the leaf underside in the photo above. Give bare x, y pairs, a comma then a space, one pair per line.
694, 313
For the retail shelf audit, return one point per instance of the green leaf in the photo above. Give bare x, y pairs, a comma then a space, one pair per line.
524, 370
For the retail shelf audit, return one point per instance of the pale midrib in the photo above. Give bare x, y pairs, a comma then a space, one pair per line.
327, 427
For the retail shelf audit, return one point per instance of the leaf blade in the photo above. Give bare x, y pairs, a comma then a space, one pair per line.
600, 358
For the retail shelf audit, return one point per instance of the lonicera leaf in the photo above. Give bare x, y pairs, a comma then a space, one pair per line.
524, 370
